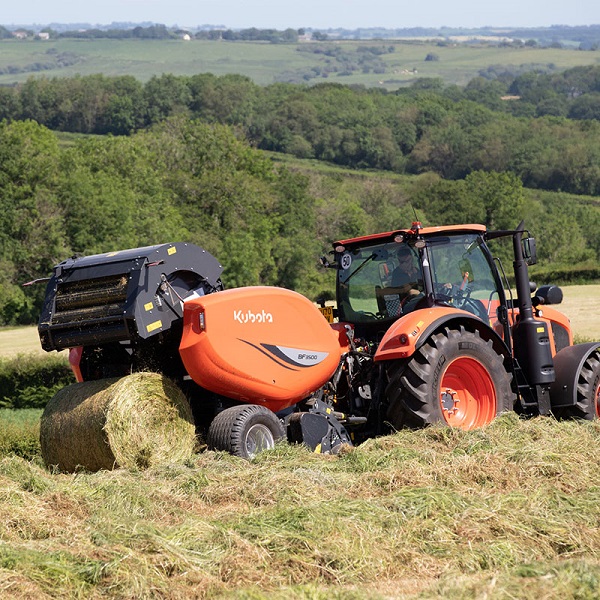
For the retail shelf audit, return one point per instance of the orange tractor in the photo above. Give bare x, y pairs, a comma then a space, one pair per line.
425, 331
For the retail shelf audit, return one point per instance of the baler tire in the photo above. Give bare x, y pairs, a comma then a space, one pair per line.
455, 378
245, 430
587, 406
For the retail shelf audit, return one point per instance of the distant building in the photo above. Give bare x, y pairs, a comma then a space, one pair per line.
43, 35
20, 34
186, 37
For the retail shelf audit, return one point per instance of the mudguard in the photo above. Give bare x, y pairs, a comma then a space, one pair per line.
567, 366
261, 345
409, 332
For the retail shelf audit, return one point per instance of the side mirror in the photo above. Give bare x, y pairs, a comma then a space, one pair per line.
328, 265
529, 251
548, 294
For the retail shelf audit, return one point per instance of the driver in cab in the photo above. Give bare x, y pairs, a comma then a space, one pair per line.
407, 275
406, 284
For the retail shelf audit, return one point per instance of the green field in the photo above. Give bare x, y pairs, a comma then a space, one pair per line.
264, 62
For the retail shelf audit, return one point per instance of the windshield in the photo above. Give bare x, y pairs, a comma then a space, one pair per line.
375, 282
462, 274
385, 281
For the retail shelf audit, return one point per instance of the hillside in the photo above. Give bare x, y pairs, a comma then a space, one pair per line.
399, 65
508, 511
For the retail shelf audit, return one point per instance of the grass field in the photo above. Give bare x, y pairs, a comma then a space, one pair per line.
19, 340
510, 511
581, 304
20, 432
264, 62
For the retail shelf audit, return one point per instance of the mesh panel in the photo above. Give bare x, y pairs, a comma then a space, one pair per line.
561, 336
392, 304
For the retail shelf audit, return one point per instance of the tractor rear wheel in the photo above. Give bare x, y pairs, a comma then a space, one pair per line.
455, 378
588, 392
245, 430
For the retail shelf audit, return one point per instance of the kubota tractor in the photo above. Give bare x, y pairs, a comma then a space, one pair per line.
425, 331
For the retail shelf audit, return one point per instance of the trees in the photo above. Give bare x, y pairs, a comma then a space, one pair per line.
494, 199
198, 179
31, 220
499, 198
424, 127
165, 96
586, 107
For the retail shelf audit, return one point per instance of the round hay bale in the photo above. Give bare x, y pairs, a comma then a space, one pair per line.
133, 422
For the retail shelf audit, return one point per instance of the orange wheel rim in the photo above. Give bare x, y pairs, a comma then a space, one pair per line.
597, 401
467, 394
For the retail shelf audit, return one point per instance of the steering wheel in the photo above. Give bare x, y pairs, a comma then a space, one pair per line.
461, 298
410, 302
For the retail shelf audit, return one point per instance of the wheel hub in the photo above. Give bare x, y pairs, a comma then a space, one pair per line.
258, 438
449, 401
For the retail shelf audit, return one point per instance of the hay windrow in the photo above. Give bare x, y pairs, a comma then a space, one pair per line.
133, 422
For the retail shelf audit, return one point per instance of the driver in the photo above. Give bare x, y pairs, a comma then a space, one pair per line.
406, 274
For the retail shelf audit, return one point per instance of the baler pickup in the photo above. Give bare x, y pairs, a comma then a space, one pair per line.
127, 295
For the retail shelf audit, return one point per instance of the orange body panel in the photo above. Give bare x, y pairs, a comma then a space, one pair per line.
543, 313
549, 314
341, 334
401, 338
261, 345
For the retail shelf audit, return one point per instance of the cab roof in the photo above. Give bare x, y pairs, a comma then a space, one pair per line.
421, 231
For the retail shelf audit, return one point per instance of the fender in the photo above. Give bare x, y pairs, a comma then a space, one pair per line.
567, 366
409, 333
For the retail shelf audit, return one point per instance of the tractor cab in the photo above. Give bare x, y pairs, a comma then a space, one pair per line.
383, 277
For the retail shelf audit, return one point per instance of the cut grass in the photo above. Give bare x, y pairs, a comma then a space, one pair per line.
506, 511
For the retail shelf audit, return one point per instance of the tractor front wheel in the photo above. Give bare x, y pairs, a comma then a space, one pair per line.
245, 430
455, 377
587, 405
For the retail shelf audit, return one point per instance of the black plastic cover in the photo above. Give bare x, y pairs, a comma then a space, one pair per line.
123, 295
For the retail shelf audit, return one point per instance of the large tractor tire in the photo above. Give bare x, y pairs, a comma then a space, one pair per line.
587, 405
245, 430
455, 378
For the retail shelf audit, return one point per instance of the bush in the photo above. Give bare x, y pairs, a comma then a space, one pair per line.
566, 275
29, 381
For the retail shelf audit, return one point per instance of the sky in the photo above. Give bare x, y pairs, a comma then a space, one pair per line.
280, 14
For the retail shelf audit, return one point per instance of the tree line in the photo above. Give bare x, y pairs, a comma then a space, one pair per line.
187, 180
162, 32
542, 127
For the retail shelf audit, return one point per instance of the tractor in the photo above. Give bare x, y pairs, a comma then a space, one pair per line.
425, 329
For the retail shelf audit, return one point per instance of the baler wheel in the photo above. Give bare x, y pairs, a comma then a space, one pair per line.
588, 392
245, 430
455, 378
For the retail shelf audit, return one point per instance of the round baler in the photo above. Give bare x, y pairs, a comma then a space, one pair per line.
447, 344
